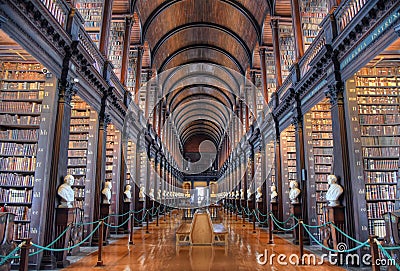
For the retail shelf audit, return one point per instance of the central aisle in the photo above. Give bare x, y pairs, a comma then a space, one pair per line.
157, 251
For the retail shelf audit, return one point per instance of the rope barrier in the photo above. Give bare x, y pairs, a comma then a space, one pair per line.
283, 222
259, 221
11, 254
281, 228
317, 226
117, 226
68, 248
259, 212
386, 254
335, 250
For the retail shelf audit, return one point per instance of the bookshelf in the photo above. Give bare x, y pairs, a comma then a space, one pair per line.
375, 108
312, 13
286, 47
289, 172
27, 98
81, 149
92, 11
131, 79
116, 45
112, 170
319, 146
271, 73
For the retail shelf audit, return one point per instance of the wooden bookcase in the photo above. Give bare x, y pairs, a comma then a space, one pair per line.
288, 160
27, 100
271, 73
319, 150
312, 13
131, 80
112, 170
287, 49
373, 95
81, 157
116, 45
92, 13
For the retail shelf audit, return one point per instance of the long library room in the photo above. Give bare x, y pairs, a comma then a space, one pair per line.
199, 135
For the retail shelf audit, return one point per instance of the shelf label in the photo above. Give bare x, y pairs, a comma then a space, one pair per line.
361, 191
43, 132
36, 194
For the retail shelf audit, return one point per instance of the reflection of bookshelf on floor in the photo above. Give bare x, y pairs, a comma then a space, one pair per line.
376, 95
318, 136
25, 97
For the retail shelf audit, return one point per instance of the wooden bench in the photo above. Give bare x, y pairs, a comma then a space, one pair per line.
220, 234
201, 232
182, 234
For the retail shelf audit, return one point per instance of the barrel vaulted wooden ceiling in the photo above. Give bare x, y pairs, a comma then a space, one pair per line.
228, 33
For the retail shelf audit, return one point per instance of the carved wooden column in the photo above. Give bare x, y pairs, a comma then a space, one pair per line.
105, 27
59, 160
298, 35
341, 165
278, 171
264, 75
138, 72
104, 120
125, 51
277, 56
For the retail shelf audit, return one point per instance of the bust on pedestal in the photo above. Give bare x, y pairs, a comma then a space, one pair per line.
294, 192
141, 193
334, 191
274, 194
259, 195
151, 194
106, 192
64, 217
241, 193
128, 193
66, 192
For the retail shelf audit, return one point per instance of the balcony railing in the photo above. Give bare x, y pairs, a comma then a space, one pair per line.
312, 51
58, 9
347, 11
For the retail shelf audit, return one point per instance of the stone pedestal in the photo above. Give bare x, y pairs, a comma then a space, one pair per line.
261, 209
274, 210
295, 209
64, 217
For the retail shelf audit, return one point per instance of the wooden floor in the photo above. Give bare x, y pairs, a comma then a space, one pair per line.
157, 251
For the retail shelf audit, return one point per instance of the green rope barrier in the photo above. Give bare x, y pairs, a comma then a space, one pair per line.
335, 250
283, 222
284, 229
117, 226
258, 211
387, 255
11, 254
68, 248
259, 221
347, 236
317, 226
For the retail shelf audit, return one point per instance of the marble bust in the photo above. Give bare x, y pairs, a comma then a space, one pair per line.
259, 194
127, 193
237, 194
151, 194
334, 191
66, 192
158, 194
294, 192
241, 194
141, 193
274, 194
248, 194
107, 192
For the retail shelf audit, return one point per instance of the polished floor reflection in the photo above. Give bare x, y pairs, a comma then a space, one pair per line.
157, 251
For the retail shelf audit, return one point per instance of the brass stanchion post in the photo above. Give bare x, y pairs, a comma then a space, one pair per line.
374, 253
147, 222
271, 238
23, 266
131, 230
301, 244
254, 221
